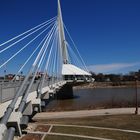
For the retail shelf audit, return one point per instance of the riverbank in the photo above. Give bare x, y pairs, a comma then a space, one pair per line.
129, 84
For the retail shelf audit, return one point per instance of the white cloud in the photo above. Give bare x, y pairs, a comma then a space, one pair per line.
114, 67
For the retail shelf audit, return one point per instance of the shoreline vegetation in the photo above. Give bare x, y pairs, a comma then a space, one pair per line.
132, 84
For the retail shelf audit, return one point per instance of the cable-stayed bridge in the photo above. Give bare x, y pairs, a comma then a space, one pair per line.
51, 66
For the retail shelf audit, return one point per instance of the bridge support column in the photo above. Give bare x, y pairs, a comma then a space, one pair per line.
66, 92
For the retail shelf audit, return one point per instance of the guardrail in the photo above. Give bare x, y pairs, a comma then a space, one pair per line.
9, 89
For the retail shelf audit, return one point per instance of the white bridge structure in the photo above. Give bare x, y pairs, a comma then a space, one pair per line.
50, 64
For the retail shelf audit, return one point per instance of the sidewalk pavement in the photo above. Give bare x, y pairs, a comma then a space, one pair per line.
83, 113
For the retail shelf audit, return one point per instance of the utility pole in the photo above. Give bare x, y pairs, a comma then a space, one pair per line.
136, 94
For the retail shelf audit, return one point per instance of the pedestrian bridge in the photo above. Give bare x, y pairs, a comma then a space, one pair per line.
43, 52
8, 91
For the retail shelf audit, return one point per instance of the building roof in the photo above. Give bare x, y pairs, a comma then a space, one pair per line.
69, 69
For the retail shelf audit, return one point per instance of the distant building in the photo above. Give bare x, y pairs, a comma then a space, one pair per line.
9, 76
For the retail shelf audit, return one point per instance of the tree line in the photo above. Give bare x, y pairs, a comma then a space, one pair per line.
131, 76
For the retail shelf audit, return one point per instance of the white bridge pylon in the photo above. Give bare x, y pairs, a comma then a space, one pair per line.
70, 72
47, 62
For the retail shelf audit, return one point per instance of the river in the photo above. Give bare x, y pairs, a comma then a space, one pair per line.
95, 98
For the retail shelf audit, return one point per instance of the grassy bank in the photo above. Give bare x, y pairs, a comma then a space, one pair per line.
110, 134
63, 138
86, 128
131, 122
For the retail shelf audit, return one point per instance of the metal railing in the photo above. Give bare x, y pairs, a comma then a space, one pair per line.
9, 89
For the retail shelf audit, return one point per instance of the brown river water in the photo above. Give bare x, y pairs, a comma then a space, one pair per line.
95, 98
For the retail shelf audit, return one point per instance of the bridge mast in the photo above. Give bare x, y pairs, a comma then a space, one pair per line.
62, 39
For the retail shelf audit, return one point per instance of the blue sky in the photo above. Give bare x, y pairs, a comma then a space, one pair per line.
106, 32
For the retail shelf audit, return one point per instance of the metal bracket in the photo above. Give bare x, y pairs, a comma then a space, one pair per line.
37, 105
45, 96
28, 109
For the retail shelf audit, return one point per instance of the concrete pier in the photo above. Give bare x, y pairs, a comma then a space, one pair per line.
66, 92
